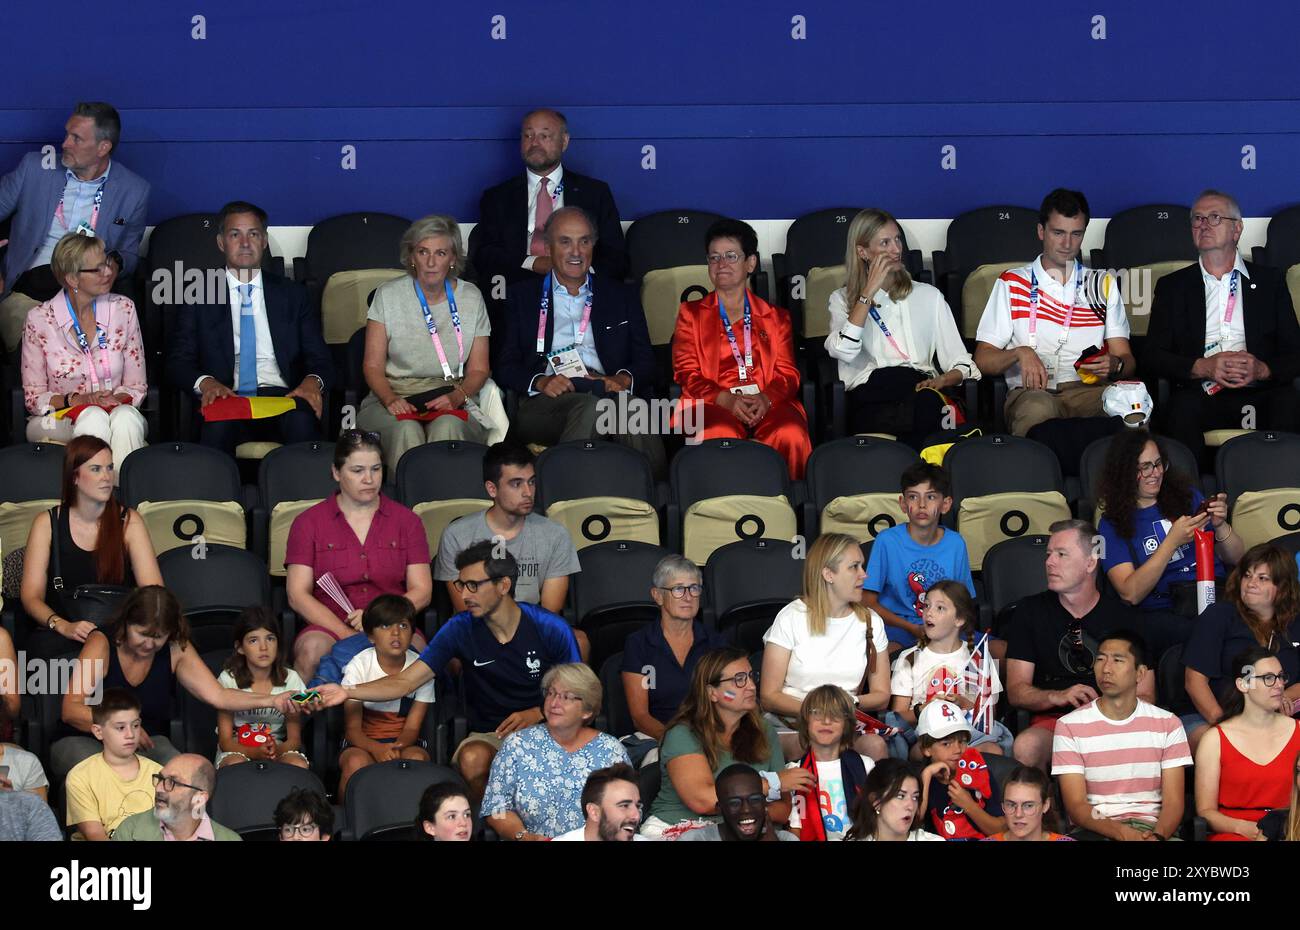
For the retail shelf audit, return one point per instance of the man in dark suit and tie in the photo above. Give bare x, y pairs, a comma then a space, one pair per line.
209, 353
593, 344
1224, 331
508, 238
94, 193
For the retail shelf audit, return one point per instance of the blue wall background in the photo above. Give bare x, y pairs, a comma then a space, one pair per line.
744, 118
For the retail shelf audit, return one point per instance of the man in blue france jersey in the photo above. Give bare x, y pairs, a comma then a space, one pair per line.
504, 648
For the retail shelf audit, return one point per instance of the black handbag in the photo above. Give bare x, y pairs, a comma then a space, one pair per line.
96, 602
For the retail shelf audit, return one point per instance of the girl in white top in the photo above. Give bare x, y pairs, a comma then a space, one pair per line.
257, 667
882, 319
827, 637
935, 668
890, 807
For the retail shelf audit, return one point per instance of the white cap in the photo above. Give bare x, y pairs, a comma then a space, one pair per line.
941, 718
1130, 400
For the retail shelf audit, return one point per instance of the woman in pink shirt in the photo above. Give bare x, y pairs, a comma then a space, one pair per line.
369, 544
83, 347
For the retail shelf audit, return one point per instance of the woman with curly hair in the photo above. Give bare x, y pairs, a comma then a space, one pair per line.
1259, 609
1151, 515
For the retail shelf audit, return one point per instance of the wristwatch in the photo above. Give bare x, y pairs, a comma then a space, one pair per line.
51, 620
520, 835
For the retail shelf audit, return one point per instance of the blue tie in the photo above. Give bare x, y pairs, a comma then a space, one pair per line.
247, 343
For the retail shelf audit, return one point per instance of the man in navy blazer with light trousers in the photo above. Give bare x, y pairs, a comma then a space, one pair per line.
89, 191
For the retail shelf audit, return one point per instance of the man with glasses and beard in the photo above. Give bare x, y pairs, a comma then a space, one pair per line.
612, 802
182, 791
1224, 331
1054, 639
742, 801
504, 647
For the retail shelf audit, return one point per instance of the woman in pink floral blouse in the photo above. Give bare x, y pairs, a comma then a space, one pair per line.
83, 347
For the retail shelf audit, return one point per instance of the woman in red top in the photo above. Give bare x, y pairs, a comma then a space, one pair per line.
741, 371
370, 544
1244, 765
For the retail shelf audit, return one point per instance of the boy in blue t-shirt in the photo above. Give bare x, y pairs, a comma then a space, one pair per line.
907, 559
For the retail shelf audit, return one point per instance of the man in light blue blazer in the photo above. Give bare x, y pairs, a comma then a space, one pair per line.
91, 192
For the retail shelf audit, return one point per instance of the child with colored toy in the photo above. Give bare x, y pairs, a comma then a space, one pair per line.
257, 666
960, 796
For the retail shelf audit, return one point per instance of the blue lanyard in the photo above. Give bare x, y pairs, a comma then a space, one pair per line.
875, 315
84, 343
433, 328
748, 362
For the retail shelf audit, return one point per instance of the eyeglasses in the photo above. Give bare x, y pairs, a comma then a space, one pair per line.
1029, 807
724, 258
102, 268
305, 830
472, 586
740, 679
169, 783
568, 697
734, 805
357, 437
1074, 653
1210, 219
1146, 468
1270, 678
679, 591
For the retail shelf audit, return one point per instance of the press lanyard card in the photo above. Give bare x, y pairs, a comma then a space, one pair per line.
566, 361
1052, 364
750, 388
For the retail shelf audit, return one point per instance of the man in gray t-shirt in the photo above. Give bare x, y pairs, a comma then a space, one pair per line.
25, 817
542, 547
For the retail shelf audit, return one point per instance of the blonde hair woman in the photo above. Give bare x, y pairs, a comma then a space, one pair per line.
893, 337
535, 789
83, 347
827, 637
427, 332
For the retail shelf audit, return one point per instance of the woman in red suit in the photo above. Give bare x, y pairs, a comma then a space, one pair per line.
742, 371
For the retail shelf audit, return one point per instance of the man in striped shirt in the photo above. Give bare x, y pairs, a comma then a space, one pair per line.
1120, 760
1040, 319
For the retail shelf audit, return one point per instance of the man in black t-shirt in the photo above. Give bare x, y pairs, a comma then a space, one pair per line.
1054, 639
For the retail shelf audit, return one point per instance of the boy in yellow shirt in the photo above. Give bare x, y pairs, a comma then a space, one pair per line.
107, 788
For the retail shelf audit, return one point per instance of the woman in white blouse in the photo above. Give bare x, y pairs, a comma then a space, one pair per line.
826, 637
893, 337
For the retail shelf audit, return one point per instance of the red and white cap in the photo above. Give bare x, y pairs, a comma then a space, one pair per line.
941, 718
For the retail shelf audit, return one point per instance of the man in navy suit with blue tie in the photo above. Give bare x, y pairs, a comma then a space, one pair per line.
572, 339
210, 353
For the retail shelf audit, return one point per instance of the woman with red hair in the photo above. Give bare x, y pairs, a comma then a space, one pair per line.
733, 354
99, 542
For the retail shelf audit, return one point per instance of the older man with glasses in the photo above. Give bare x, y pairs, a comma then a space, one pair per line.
504, 648
1224, 331
182, 792
1054, 638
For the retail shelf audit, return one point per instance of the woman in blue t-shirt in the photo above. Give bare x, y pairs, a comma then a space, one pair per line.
1151, 514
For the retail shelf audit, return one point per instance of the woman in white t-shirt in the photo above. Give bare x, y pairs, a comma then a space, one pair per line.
937, 667
257, 667
895, 339
826, 637
889, 809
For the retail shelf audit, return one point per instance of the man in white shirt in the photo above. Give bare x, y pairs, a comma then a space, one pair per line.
208, 352
1224, 331
611, 801
507, 246
1041, 319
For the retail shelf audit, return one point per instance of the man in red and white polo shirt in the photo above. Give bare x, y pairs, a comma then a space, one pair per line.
1042, 317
